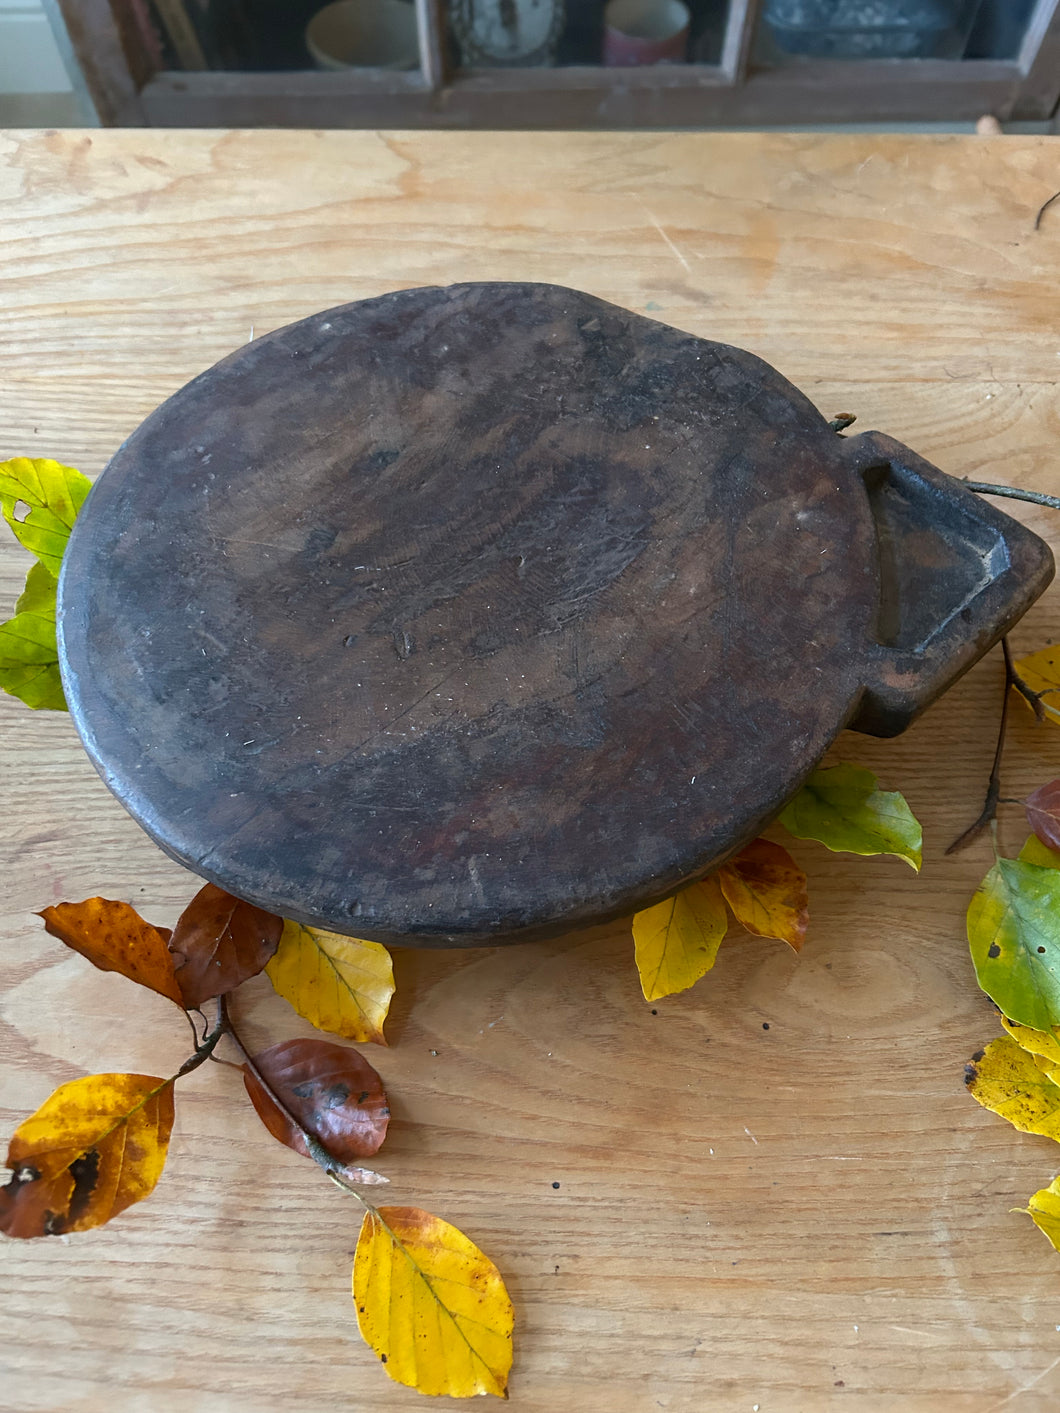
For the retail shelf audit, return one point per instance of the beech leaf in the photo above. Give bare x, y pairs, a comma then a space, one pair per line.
1043, 813
1044, 1211
339, 984
29, 657
766, 890
1035, 852
1014, 936
220, 941
677, 941
114, 937
842, 808
1041, 672
331, 1090
1044, 1044
1005, 1079
52, 495
431, 1305
95, 1147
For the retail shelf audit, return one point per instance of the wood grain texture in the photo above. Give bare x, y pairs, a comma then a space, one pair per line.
813, 1217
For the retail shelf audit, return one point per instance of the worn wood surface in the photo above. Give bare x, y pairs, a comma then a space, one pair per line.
809, 1217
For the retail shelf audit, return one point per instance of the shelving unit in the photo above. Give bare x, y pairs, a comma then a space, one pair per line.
129, 89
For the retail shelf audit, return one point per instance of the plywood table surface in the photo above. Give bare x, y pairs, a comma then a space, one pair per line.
773, 1192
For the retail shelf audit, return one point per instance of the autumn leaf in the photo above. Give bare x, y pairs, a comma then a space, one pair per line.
220, 941
842, 808
431, 1305
1043, 814
95, 1147
1044, 1044
29, 656
331, 1090
339, 984
766, 890
52, 495
1044, 1210
1005, 1079
1035, 852
1041, 673
677, 941
1014, 937
114, 937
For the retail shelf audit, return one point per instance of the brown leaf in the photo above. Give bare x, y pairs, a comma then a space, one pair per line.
766, 890
1043, 813
93, 1148
331, 1090
220, 941
114, 937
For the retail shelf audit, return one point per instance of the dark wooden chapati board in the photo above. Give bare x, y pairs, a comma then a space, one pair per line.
466, 615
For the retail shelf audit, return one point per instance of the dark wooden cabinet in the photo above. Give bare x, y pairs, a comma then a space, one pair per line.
737, 90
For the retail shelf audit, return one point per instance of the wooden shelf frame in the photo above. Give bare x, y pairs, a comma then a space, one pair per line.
732, 93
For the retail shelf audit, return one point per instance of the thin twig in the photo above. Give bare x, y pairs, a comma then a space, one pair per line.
993, 789
986, 488
206, 1047
316, 1150
1043, 208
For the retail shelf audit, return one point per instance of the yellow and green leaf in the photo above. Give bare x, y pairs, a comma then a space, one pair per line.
1005, 1079
842, 807
1014, 937
29, 657
40, 500
1035, 852
93, 1148
677, 940
339, 984
431, 1305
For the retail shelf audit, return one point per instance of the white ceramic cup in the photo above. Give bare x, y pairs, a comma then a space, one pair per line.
354, 34
645, 32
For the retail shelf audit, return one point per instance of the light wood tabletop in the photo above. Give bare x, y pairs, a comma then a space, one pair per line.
768, 1193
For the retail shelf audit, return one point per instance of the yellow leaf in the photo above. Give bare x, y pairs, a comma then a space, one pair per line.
95, 1147
1044, 1210
1041, 672
339, 984
677, 941
431, 1305
1005, 1079
766, 890
1045, 1043
1035, 852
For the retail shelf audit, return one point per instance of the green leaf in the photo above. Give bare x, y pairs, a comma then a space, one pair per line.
1005, 1080
842, 808
40, 500
1014, 936
29, 658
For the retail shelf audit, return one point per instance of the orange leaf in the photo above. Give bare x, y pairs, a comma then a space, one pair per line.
331, 1090
766, 890
114, 937
95, 1147
220, 941
431, 1305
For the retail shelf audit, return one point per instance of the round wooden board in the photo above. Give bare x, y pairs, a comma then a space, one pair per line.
460, 615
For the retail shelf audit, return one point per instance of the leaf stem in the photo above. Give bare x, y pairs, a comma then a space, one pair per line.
988, 814
314, 1147
987, 488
